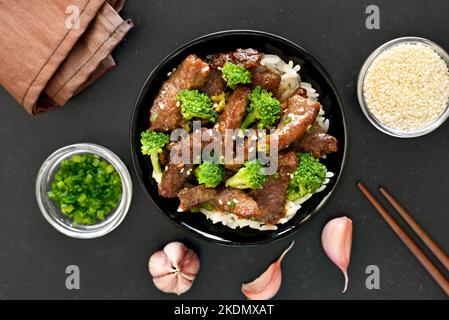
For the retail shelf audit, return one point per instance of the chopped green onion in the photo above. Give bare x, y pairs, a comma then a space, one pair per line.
86, 188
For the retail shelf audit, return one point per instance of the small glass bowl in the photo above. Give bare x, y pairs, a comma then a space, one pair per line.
360, 83
50, 209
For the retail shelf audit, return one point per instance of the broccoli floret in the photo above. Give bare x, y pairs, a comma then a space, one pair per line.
251, 176
219, 102
210, 174
263, 108
307, 178
195, 104
153, 144
235, 75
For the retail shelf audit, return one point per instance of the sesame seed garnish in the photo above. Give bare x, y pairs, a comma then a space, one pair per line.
407, 87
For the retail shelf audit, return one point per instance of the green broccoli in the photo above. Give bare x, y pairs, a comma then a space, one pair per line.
210, 174
263, 107
307, 178
251, 176
219, 102
195, 104
235, 75
153, 144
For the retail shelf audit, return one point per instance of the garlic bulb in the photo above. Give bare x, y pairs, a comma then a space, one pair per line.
174, 268
268, 283
337, 242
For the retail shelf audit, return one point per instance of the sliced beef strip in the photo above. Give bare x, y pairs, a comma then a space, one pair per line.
248, 58
164, 157
174, 179
249, 149
271, 197
288, 161
204, 136
271, 200
299, 115
317, 142
267, 80
300, 92
176, 175
215, 84
237, 202
232, 116
165, 114
284, 105
192, 197
219, 60
234, 111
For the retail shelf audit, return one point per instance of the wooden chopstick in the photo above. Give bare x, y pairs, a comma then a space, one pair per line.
430, 243
411, 245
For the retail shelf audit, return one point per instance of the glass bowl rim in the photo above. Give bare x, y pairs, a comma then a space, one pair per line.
117, 216
361, 97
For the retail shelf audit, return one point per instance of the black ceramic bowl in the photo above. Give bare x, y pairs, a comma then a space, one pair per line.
311, 71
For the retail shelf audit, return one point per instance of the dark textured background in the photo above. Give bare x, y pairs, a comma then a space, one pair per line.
33, 256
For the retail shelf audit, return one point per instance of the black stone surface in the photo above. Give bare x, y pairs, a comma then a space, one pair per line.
33, 256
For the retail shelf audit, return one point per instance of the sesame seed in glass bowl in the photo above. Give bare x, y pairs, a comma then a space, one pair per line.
403, 87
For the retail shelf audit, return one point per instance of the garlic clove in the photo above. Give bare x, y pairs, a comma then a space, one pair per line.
182, 285
160, 265
337, 243
166, 283
173, 283
190, 265
267, 285
175, 252
174, 268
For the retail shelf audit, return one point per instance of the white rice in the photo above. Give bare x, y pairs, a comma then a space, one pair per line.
290, 81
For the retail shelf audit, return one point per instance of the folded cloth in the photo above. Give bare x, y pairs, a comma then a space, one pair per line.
44, 59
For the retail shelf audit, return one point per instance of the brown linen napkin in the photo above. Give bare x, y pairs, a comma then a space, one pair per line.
44, 63
107, 64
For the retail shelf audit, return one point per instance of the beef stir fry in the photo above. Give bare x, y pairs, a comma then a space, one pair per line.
238, 90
